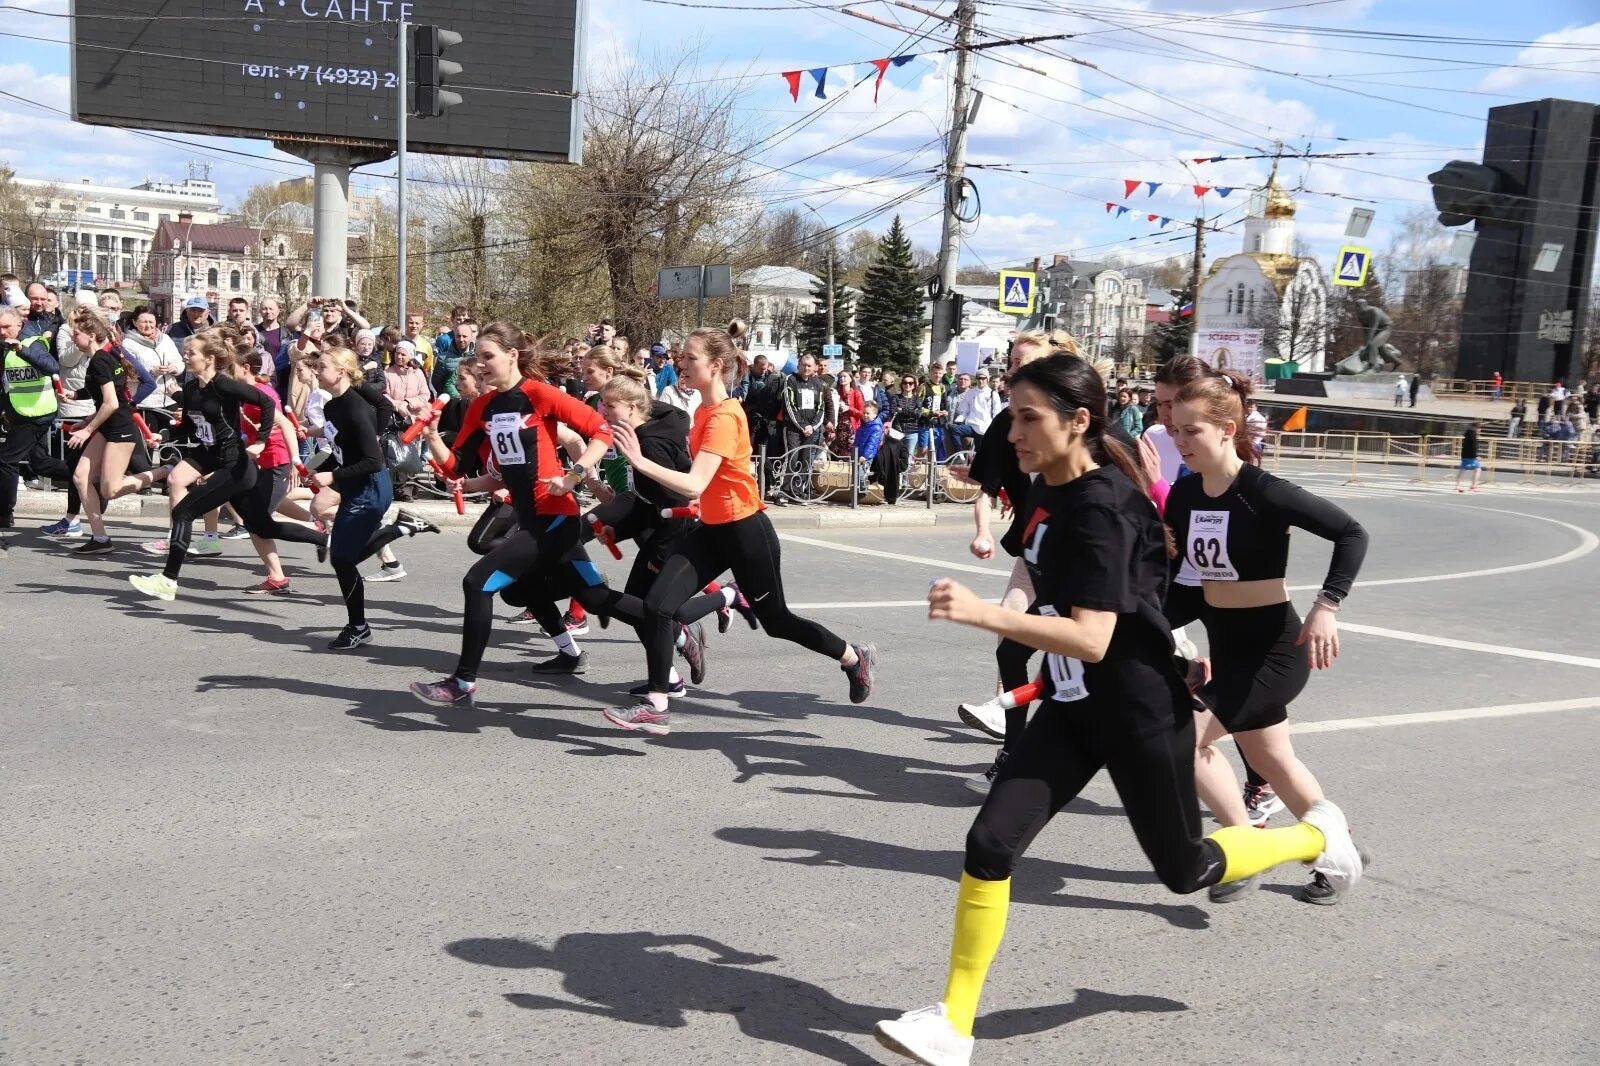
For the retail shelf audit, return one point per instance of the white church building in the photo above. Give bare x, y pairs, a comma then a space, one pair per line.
1267, 287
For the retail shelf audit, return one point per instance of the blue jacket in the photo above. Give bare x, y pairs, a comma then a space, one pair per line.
38, 338
869, 438
667, 375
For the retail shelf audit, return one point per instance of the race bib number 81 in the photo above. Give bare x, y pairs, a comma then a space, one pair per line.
505, 437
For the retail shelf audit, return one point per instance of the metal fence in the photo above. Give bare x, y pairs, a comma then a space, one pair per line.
1513, 460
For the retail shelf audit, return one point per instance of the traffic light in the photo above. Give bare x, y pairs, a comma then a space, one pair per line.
427, 50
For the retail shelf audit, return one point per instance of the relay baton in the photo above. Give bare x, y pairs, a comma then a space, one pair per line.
419, 424
691, 511
299, 430
1021, 696
604, 536
150, 439
61, 393
461, 503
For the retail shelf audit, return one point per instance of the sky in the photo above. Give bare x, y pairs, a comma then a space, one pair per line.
1136, 92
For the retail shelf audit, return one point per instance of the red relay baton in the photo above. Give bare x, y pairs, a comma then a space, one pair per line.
150, 439
1022, 696
691, 511
305, 476
299, 430
461, 502
419, 424
604, 536
61, 392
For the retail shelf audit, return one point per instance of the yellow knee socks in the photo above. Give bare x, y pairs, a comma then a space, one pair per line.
980, 923
1248, 850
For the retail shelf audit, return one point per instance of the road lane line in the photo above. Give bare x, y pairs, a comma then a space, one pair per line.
1472, 645
943, 564
1460, 714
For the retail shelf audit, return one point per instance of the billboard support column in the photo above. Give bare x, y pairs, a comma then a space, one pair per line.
330, 207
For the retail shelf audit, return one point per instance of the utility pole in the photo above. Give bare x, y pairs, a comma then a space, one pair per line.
955, 166
1194, 282
830, 294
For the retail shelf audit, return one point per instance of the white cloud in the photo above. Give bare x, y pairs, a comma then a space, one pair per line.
1558, 61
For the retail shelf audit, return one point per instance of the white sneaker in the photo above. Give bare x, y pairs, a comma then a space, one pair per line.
988, 717
204, 545
1340, 862
388, 573
981, 783
155, 547
157, 586
927, 1036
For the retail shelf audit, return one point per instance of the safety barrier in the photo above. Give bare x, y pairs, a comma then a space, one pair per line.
1510, 391
1527, 460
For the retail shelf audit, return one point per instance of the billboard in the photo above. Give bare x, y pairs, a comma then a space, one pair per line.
1238, 350
327, 71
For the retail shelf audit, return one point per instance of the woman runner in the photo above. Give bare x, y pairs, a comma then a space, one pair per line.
518, 421
211, 400
1112, 696
734, 533
1232, 521
362, 484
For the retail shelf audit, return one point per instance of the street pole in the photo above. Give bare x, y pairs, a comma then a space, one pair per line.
830, 294
700, 301
1194, 282
404, 106
955, 166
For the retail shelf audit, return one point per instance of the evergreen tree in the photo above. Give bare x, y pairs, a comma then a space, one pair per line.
890, 319
1171, 338
813, 331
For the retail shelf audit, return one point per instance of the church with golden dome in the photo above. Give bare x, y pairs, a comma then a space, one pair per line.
1266, 286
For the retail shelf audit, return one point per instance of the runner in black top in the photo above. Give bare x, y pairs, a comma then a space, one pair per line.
363, 484
1232, 521
211, 400
1112, 696
105, 443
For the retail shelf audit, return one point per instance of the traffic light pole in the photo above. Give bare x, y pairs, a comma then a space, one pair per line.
403, 106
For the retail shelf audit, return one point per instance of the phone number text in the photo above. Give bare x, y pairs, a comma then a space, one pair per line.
358, 77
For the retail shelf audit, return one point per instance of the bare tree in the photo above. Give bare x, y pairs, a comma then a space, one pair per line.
27, 230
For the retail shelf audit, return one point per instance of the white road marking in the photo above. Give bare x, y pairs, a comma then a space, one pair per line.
1472, 645
1460, 714
943, 564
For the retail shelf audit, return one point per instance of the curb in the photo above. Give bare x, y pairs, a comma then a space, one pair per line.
32, 503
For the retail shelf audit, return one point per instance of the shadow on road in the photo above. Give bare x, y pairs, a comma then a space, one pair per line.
1037, 881
653, 979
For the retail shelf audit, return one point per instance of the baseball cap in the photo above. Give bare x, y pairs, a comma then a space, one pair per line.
658, 349
196, 303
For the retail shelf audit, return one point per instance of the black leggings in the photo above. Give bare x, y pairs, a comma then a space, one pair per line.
748, 547
250, 496
1059, 754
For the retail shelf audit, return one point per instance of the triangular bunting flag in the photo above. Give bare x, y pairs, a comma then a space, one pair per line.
1201, 190
1202, 160
1166, 221
1121, 211
1128, 185
1109, 206
1223, 192
820, 76
1216, 159
1296, 423
793, 78
1150, 218
1153, 186
901, 61
883, 68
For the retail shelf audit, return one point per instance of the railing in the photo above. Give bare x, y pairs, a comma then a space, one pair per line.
1510, 391
1518, 460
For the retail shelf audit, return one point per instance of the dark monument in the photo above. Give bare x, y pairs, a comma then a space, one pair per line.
1536, 187
1376, 354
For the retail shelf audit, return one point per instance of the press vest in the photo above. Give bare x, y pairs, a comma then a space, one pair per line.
27, 389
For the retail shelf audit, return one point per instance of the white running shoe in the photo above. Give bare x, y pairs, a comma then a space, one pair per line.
987, 717
155, 547
927, 1036
156, 586
206, 545
388, 573
1340, 862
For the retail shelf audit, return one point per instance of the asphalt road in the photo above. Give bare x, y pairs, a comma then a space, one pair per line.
223, 844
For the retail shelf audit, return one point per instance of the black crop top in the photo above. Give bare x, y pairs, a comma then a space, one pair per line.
211, 420
1243, 535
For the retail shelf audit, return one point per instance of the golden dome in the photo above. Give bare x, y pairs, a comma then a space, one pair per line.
1279, 203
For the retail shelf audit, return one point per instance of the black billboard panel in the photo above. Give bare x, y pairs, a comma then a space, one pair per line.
327, 71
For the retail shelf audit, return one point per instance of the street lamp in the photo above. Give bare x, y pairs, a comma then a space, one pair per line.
261, 228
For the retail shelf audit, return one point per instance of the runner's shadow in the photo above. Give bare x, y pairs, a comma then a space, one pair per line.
1037, 881
650, 979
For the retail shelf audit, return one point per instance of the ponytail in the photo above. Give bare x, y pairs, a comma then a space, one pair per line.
537, 359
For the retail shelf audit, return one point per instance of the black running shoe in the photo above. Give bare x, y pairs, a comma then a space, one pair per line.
95, 547
861, 673
322, 551
694, 652
677, 688
413, 524
742, 605
563, 664
351, 637
236, 532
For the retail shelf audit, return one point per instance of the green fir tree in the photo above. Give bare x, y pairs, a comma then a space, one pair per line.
813, 331
889, 320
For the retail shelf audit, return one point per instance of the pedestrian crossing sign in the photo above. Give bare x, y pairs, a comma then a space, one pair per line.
1016, 292
1351, 270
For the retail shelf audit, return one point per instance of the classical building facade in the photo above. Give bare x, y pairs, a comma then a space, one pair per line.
1101, 306
100, 236
1266, 286
221, 261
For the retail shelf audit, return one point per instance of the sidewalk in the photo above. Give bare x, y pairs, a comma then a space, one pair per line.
32, 504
